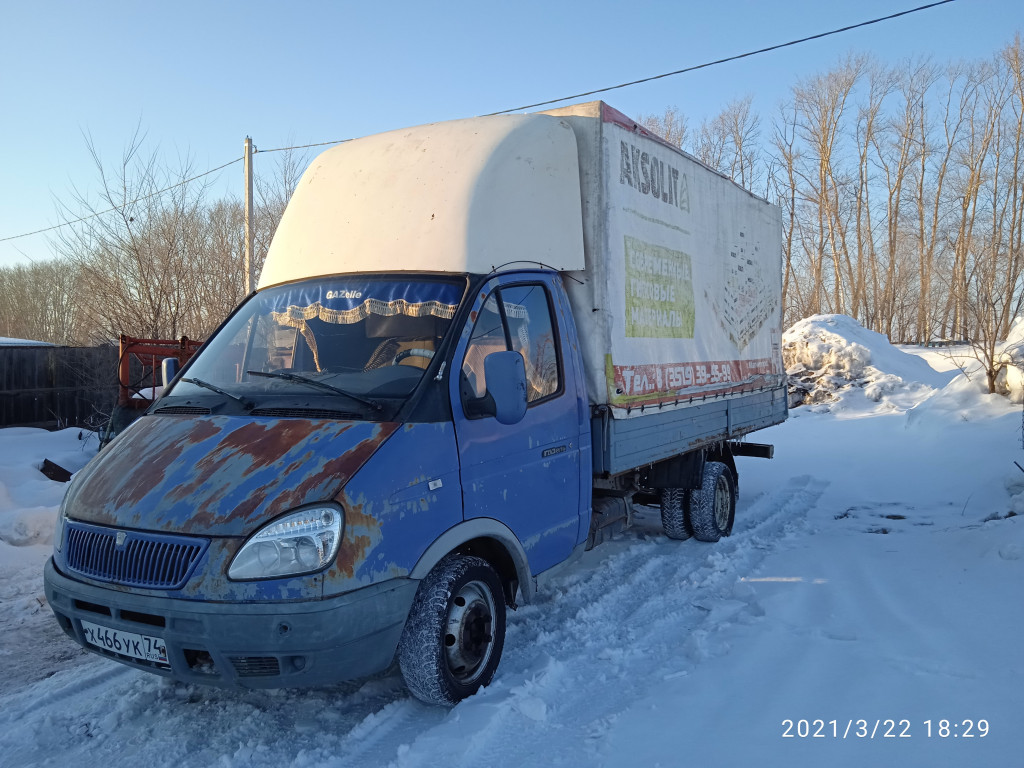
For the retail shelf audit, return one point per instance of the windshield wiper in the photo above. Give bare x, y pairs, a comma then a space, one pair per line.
318, 384
207, 385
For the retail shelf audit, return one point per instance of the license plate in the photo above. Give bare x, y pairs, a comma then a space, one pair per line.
131, 644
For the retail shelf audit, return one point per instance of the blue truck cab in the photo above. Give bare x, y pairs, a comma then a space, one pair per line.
391, 440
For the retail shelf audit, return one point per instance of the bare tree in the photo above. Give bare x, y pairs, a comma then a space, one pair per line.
794, 303
987, 293
41, 302
136, 263
671, 126
865, 288
821, 105
929, 186
742, 130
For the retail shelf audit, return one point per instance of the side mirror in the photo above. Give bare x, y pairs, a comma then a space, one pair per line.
168, 369
506, 384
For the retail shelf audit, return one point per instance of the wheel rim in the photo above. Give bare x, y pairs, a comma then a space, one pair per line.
468, 640
723, 503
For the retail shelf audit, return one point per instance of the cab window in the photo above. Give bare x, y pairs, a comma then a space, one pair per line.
514, 318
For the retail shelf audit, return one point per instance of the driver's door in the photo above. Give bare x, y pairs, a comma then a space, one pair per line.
525, 475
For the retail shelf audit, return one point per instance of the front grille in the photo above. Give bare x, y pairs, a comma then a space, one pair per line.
255, 666
156, 561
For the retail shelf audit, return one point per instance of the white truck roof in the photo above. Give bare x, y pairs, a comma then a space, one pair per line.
476, 195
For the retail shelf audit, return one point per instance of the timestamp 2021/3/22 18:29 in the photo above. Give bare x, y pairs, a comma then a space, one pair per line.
880, 728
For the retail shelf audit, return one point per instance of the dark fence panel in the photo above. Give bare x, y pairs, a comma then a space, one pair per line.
57, 386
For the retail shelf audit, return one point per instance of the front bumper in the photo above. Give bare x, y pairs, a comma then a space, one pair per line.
250, 645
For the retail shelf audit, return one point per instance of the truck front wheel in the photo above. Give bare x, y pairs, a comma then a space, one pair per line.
455, 632
711, 509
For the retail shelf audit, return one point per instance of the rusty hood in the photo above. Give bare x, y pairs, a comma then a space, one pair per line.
219, 475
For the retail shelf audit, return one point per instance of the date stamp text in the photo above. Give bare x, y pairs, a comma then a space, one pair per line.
884, 729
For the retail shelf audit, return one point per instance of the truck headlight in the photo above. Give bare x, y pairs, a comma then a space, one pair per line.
300, 542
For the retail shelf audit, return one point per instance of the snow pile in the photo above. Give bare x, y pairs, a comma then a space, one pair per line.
1010, 380
832, 360
28, 499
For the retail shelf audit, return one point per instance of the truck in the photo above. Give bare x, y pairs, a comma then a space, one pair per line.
475, 348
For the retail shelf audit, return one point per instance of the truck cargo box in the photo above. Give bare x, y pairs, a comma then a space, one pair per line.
680, 300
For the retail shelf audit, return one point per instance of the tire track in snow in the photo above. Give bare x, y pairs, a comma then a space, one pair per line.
614, 624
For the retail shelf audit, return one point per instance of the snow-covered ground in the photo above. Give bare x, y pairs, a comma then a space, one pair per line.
867, 610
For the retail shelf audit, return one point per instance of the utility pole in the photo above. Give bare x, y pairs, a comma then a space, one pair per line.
250, 278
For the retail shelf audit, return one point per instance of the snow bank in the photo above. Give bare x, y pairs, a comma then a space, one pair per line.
964, 399
8, 342
1010, 381
28, 499
32, 643
832, 361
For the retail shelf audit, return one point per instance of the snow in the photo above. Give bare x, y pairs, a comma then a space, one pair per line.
873, 575
8, 342
148, 393
832, 358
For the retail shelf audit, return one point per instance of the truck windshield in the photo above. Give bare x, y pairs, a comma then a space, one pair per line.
357, 339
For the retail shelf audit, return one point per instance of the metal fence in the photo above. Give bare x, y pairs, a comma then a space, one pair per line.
54, 387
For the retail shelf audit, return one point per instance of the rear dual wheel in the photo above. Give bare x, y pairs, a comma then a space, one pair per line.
712, 507
706, 513
673, 513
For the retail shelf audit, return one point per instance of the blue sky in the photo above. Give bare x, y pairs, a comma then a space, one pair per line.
198, 77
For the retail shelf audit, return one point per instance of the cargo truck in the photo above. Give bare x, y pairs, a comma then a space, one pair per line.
474, 348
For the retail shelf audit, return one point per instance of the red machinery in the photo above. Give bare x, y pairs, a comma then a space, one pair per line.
138, 376
138, 369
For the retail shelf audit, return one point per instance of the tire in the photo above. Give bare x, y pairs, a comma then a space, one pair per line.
673, 514
711, 509
453, 638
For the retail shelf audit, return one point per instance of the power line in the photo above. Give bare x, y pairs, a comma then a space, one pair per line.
120, 207
515, 109
165, 189
303, 146
725, 60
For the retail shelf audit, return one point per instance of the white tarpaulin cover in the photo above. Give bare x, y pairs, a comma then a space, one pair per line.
681, 295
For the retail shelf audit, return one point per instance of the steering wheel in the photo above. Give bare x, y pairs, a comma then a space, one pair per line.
426, 353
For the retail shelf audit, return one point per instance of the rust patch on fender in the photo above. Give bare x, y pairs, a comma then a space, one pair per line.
360, 532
